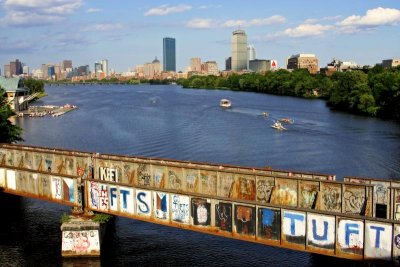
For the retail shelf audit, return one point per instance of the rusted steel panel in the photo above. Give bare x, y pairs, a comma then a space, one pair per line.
378, 240
201, 212
396, 204
224, 216
191, 178
396, 242
381, 199
293, 229
244, 187
245, 220
285, 192
144, 177
354, 198
265, 186
225, 183
208, 183
159, 176
330, 197
307, 194
350, 238
269, 224
33, 183
180, 208
321, 233
175, 179
161, 204
44, 186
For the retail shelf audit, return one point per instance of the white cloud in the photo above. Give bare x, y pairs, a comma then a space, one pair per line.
209, 6
314, 20
104, 27
37, 12
276, 19
166, 9
374, 17
303, 30
93, 10
201, 23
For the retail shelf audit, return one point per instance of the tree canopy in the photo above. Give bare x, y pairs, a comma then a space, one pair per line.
9, 133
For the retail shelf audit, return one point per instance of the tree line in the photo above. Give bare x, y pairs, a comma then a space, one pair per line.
373, 92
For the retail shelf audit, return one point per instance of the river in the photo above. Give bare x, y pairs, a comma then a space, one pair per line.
167, 121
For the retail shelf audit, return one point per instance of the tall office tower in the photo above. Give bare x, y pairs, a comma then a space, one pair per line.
66, 64
195, 64
98, 68
15, 67
169, 55
251, 52
7, 70
239, 50
228, 63
104, 65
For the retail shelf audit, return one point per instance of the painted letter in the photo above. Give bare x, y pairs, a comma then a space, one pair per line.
350, 228
124, 194
378, 234
315, 235
292, 218
112, 195
144, 204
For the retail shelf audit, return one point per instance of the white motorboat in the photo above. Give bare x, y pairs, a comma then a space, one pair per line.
225, 103
277, 125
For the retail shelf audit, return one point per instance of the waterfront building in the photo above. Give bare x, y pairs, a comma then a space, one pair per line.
7, 72
66, 64
16, 92
251, 54
210, 68
152, 70
228, 63
104, 67
169, 54
239, 50
25, 70
391, 63
51, 71
263, 65
195, 64
303, 61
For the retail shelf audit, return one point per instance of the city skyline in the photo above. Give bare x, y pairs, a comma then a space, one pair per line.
130, 34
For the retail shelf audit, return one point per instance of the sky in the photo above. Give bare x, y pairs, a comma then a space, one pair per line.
130, 33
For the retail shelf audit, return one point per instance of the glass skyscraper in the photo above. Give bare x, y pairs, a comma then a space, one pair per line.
169, 55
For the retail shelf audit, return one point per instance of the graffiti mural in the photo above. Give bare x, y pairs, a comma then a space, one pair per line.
56, 188
269, 223
264, 189
208, 183
285, 193
245, 220
201, 211
45, 185
293, 227
223, 216
159, 176
353, 199
243, 188
321, 231
128, 176
104, 202
307, 194
113, 197
175, 179
81, 242
68, 187
180, 208
144, 174
192, 180
94, 194
330, 199
161, 205
378, 240
108, 174
350, 236
225, 184
143, 202
126, 198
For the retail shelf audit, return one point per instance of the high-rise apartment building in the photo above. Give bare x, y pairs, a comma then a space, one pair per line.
195, 64
303, 61
169, 54
239, 50
15, 67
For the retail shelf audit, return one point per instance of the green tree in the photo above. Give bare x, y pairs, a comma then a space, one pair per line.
9, 133
34, 86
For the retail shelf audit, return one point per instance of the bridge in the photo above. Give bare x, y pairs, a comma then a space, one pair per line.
356, 218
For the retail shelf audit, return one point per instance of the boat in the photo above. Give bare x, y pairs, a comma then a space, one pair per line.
277, 125
286, 120
265, 114
225, 103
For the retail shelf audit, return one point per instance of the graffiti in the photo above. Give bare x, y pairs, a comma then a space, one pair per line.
143, 202
331, 199
126, 199
175, 182
353, 201
191, 181
158, 175
68, 190
397, 241
201, 211
351, 236
226, 183
264, 190
381, 192
308, 194
108, 174
284, 195
161, 205
379, 240
56, 188
94, 195
269, 223
245, 219
208, 182
144, 176
321, 231
180, 209
294, 226
129, 174
80, 242
223, 218
243, 188
49, 164
103, 197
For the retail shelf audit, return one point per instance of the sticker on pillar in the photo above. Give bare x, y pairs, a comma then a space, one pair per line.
113, 197
245, 220
201, 211
161, 205
293, 227
126, 198
68, 190
94, 194
378, 240
56, 188
223, 216
269, 223
350, 236
104, 202
2, 177
143, 202
321, 231
11, 184
180, 208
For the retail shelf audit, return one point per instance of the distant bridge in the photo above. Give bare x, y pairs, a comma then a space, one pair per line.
355, 219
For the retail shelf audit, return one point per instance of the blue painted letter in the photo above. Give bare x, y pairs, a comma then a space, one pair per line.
320, 237
124, 194
139, 197
378, 234
351, 228
292, 218
112, 194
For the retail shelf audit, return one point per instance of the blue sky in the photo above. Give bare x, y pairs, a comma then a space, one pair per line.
128, 33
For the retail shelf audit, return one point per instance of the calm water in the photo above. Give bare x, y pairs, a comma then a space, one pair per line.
171, 122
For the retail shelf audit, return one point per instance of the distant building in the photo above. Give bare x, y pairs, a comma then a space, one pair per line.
152, 70
195, 64
7, 72
16, 92
51, 71
210, 68
228, 63
391, 63
251, 54
15, 68
303, 61
169, 54
263, 65
25, 70
104, 67
66, 64
239, 50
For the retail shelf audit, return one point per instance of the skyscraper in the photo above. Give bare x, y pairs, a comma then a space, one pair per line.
239, 50
104, 66
169, 55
